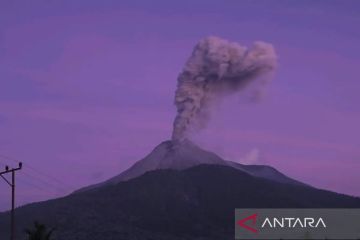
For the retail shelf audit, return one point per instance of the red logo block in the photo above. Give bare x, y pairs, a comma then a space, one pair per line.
252, 218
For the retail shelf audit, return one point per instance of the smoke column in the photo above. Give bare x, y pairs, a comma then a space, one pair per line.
215, 69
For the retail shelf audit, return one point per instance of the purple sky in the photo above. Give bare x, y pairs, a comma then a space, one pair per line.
87, 88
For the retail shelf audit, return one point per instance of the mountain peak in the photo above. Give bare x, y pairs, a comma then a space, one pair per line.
174, 155
184, 154
176, 145
169, 154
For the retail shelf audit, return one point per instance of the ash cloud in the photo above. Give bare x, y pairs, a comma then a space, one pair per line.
215, 69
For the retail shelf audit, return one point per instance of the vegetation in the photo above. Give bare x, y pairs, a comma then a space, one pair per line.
39, 232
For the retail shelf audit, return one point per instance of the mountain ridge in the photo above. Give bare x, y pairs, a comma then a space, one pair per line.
181, 155
194, 203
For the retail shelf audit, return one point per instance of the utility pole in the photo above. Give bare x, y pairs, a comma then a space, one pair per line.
12, 185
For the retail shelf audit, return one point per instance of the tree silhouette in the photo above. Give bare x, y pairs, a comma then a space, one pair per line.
39, 232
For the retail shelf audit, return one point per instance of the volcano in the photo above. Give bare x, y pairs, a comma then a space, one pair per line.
178, 191
180, 155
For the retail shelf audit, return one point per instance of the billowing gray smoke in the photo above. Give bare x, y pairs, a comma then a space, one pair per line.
215, 69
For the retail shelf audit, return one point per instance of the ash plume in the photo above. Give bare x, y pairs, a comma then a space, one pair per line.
216, 69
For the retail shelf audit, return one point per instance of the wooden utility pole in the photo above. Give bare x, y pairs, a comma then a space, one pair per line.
12, 185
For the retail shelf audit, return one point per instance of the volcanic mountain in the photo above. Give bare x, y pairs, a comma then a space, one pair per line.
177, 192
185, 154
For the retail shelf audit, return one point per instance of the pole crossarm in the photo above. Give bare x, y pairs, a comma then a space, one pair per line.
11, 170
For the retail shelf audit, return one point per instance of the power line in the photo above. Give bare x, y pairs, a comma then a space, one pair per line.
49, 190
43, 185
37, 187
38, 179
49, 177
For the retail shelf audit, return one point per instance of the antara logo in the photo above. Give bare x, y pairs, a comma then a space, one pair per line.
290, 222
287, 222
